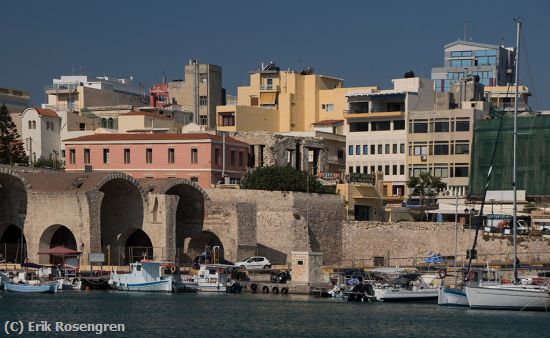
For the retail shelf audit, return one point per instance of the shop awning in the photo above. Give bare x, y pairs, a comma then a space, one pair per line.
268, 98
60, 251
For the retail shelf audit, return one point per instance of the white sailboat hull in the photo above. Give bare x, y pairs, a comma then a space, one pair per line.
508, 297
401, 295
452, 297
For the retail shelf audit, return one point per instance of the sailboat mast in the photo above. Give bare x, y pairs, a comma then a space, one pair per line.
514, 172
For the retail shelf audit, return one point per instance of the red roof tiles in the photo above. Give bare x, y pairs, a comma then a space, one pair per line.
46, 112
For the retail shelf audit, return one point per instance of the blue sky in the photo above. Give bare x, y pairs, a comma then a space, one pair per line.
365, 42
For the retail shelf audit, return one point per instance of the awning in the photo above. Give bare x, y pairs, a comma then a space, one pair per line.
268, 98
540, 220
365, 192
60, 251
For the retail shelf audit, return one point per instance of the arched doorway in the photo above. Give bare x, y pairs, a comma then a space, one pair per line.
13, 245
138, 246
121, 214
53, 236
205, 241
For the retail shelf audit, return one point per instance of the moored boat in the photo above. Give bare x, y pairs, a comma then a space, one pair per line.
144, 276
214, 277
405, 286
32, 288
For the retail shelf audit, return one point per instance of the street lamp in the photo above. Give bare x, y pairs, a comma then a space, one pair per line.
470, 212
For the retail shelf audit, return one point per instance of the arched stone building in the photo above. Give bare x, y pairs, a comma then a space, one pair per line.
171, 219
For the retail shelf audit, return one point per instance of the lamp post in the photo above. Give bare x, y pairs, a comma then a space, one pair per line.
470, 212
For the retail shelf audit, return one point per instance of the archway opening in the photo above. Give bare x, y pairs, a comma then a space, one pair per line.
121, 213
13, 246
189, 216
56, 235
205, 242
13, 200
138, 246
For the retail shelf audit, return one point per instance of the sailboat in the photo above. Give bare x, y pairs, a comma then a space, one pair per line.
513, 296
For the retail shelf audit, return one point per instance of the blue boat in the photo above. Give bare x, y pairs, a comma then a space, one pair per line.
29, 288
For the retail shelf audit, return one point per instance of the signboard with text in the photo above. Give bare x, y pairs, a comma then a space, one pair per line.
361, 178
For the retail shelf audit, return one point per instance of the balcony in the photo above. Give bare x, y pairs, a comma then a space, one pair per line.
350, 114
269, 88
61, 89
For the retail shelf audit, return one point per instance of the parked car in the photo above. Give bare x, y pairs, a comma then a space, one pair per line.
255, 262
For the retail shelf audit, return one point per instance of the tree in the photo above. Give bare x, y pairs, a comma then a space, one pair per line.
283, 179
11, 147
425, 185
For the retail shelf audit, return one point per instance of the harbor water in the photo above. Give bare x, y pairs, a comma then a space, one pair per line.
254, 315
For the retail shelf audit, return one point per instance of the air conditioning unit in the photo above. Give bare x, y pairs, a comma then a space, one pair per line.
423, 158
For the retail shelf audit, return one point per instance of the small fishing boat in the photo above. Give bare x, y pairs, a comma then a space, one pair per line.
401, 286
144, 276
32, 288
185, 283
214, 277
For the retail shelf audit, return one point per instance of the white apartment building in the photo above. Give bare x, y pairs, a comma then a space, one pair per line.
376, 135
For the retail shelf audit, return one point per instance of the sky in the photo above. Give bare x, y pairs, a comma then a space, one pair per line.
364, 42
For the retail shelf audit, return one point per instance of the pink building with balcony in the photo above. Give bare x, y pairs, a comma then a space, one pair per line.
196, 157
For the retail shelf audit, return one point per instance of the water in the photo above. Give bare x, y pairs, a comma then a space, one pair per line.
258, 315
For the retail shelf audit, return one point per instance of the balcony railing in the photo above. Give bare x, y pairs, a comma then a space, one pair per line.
269, 88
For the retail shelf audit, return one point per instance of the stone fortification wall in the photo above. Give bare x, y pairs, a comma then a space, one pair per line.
405, 240
282, 218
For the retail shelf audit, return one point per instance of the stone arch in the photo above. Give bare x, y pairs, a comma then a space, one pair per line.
190, 212
13, 197
122, 210
56, 235
199, 242
13, 245
137, 245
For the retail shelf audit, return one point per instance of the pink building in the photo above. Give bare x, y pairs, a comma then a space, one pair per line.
196, 157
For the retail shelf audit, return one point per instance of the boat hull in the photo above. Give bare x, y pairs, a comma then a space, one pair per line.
508, 298
155, 286
26, 288
211, 288
398, 295
452, 297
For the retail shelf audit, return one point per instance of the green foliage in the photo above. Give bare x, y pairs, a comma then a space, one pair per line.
11, 147
425, 185
48, 163
283, 179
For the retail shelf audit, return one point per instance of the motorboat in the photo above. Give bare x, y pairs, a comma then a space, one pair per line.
32, 288
400, 285
214, 277
185, 283
509, 297
144, 276
456, 296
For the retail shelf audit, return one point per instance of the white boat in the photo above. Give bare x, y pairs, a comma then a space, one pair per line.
405, 287
185, 283
456, 296
452, 297
509, 297
32, 288
214, 277
144, 276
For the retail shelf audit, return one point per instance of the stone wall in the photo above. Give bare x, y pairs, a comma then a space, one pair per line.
404, 241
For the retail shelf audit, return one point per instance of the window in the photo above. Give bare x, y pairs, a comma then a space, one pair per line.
394, 171
461, 53
241, 158
379, 168
149, 155
399, 125
455, 75
395, 148
33, 124
387, 148
402, 148
203, 100
194, 155
269, 83
350, 150
329, 107
441, 126
463, 125
365, 169
228, 120
372, 170
420, 150
126, 155
30, 124
365, 149
358, 127
462, 148
350, 169
386, 170
402, 169
372, 149
106, 156
203, 77
441, 172
86, 156
72, 156
357, 150
203, 120
441, 149
82, 126
380, 125
420, 127
171, 155
217, 155
380, 149
461, 171
254, 101
358, 169
232, 156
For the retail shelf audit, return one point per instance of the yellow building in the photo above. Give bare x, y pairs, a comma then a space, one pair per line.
284, 101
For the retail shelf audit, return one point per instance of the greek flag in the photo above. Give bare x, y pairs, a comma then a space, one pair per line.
434, 259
